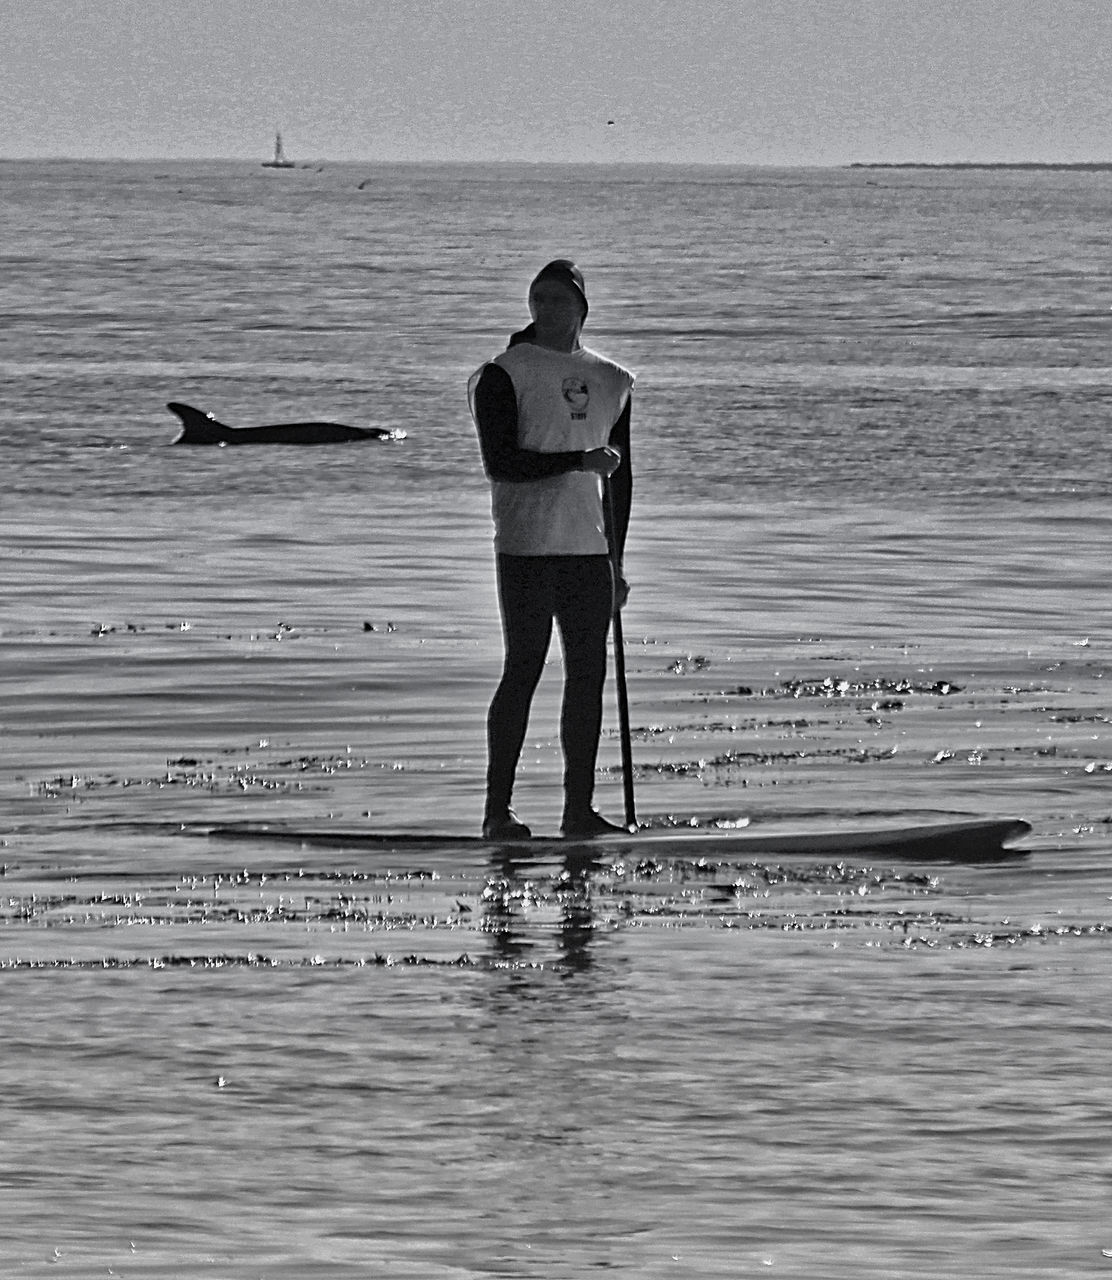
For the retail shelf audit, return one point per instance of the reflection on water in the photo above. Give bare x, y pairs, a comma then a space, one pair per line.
514, 907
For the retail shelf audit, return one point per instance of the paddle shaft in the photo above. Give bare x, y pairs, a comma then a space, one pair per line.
619, 663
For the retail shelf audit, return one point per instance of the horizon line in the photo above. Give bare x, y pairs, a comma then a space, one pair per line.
593, 163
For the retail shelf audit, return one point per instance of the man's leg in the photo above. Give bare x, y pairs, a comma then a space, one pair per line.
523, 596
584, 605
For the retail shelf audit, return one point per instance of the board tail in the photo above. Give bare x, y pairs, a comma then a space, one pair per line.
198, 427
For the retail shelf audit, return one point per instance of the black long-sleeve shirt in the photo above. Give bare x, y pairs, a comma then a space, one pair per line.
505, 459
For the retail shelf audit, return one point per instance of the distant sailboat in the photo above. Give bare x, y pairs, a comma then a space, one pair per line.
279, 161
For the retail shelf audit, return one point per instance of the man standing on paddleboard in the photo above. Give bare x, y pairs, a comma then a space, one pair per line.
553, 420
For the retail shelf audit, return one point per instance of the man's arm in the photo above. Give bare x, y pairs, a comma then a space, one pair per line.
496, 418
621, 482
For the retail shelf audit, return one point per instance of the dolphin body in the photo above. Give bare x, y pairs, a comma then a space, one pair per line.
203, 428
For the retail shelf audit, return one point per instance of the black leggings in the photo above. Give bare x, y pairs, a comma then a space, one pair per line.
577, 593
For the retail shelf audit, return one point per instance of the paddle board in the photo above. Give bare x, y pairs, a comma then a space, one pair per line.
967, 840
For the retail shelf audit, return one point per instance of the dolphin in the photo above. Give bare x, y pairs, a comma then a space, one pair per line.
203, 428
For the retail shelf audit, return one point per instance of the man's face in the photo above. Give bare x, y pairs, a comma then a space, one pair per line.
556, 304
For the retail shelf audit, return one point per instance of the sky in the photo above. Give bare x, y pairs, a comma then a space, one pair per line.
780, 82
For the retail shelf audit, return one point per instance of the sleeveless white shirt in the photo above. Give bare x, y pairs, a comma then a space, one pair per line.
565, 401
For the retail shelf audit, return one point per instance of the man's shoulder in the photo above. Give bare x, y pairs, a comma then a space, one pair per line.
605, 363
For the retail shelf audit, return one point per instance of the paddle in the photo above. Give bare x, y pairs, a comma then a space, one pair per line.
619, 664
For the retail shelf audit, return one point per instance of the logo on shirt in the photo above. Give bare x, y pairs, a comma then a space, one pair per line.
576, 394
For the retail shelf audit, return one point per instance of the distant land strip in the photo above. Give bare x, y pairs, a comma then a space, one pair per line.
982, 164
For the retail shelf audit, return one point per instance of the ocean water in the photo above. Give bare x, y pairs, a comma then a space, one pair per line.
870, 585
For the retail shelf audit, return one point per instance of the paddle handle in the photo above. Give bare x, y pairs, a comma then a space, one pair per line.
619, 665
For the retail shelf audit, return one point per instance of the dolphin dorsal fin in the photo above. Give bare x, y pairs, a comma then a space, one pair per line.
197, 427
